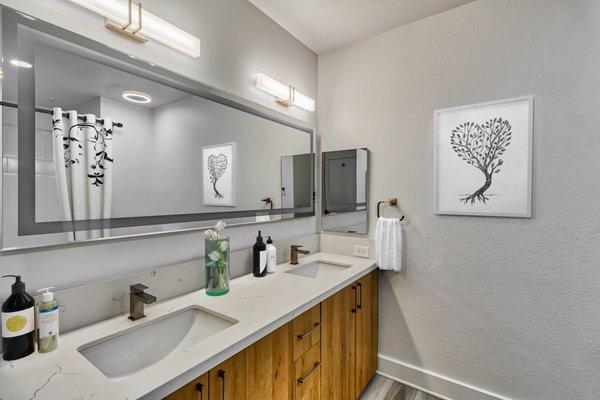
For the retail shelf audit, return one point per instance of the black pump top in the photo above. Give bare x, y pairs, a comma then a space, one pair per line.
259, 238
18, 286
269, 240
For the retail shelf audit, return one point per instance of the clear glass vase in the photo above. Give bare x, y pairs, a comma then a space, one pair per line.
217, 266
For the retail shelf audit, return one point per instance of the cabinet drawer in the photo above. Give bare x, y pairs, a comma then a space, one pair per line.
306, 329
307, 375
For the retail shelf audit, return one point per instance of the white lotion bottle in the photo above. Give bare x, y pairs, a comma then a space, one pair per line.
271, 256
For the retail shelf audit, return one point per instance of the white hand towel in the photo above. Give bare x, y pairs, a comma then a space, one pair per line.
388, 244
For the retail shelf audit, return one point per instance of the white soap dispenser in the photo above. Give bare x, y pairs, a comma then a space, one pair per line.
47, 321
271, 256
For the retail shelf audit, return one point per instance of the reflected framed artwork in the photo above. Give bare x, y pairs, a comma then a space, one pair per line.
218, 175
483, 159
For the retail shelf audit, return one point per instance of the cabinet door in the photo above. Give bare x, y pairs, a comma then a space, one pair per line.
367, 289
195, 390
269, 367
338, 332
228, 379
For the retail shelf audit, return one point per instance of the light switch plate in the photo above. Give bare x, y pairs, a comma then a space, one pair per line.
361, 251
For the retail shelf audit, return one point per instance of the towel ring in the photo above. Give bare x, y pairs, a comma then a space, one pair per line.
392, 201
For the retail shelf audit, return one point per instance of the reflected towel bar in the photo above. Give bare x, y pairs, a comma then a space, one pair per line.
392, 201
43, 110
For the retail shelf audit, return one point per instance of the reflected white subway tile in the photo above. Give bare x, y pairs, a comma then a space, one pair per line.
40, 181
10, 164
52, 196
9, 134
9, 180
49, 152
13, 196
44, 167
10, 149
40, 152
51, 181
43, 137
5, 196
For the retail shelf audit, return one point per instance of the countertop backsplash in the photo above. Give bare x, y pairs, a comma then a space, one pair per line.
93, 302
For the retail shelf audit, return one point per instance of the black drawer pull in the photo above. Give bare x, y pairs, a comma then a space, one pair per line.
359, 290
199, 388
304, 378
221, 375
311, 330
354, 288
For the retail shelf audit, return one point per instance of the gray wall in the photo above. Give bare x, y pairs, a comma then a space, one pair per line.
237, 42
507, 305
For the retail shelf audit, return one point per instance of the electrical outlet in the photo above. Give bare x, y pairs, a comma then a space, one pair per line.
361, 251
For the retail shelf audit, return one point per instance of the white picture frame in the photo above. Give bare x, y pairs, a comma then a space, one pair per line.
219, 175
471, 139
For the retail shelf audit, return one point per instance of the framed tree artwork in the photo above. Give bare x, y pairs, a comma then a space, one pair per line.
218, 175
483, 159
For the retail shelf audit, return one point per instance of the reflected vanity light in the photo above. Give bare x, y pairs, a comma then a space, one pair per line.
137, 97
135, 23
284, 94
21, 64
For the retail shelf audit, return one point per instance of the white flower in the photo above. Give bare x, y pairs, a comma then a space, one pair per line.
210, 234
220, 226
224, 245
214, 255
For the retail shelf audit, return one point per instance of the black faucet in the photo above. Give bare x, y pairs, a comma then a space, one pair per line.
137, 299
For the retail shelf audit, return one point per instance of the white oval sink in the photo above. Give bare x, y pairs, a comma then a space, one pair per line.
127, 352
318, 269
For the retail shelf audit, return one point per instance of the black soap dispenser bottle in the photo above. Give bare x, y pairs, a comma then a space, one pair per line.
18, 322
259, 257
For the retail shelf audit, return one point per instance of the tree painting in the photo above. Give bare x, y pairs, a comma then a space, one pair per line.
217, 165
481, 146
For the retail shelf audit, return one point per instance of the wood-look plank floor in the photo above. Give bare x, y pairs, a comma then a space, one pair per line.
381, 388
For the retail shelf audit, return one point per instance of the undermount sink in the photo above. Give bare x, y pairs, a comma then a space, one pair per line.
318, 269
130, 351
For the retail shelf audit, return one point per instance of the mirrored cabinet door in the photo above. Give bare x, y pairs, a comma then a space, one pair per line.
345, 191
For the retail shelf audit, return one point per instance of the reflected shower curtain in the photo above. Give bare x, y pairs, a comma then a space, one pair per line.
83, 162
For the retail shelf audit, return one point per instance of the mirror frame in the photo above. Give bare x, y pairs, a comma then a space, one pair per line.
106, 55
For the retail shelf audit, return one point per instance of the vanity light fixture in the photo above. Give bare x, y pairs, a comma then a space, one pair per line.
135, 23
20, 63
137, 97
284, 94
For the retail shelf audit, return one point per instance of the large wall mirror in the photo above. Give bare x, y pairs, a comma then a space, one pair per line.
345, 191
96, 144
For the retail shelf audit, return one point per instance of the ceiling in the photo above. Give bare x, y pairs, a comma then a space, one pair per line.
325, 25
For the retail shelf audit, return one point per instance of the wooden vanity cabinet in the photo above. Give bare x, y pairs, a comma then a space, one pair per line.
195, 390
349, 339
327, 352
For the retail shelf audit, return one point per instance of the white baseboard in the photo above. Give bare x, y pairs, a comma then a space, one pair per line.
430, 382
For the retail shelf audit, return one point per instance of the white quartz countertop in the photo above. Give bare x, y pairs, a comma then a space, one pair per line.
260, 305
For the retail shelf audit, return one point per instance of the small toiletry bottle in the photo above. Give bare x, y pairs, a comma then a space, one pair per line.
18, 322
271, 256
259, 257
47, 321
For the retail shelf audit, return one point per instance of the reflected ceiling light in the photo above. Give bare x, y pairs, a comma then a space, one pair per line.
19, 63
134, 22
1, 74
137, 97
284, 94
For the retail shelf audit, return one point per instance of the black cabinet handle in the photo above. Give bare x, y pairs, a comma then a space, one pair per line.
359, 290
221, 375
305, 377
308, 332
199, 388
354, 288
